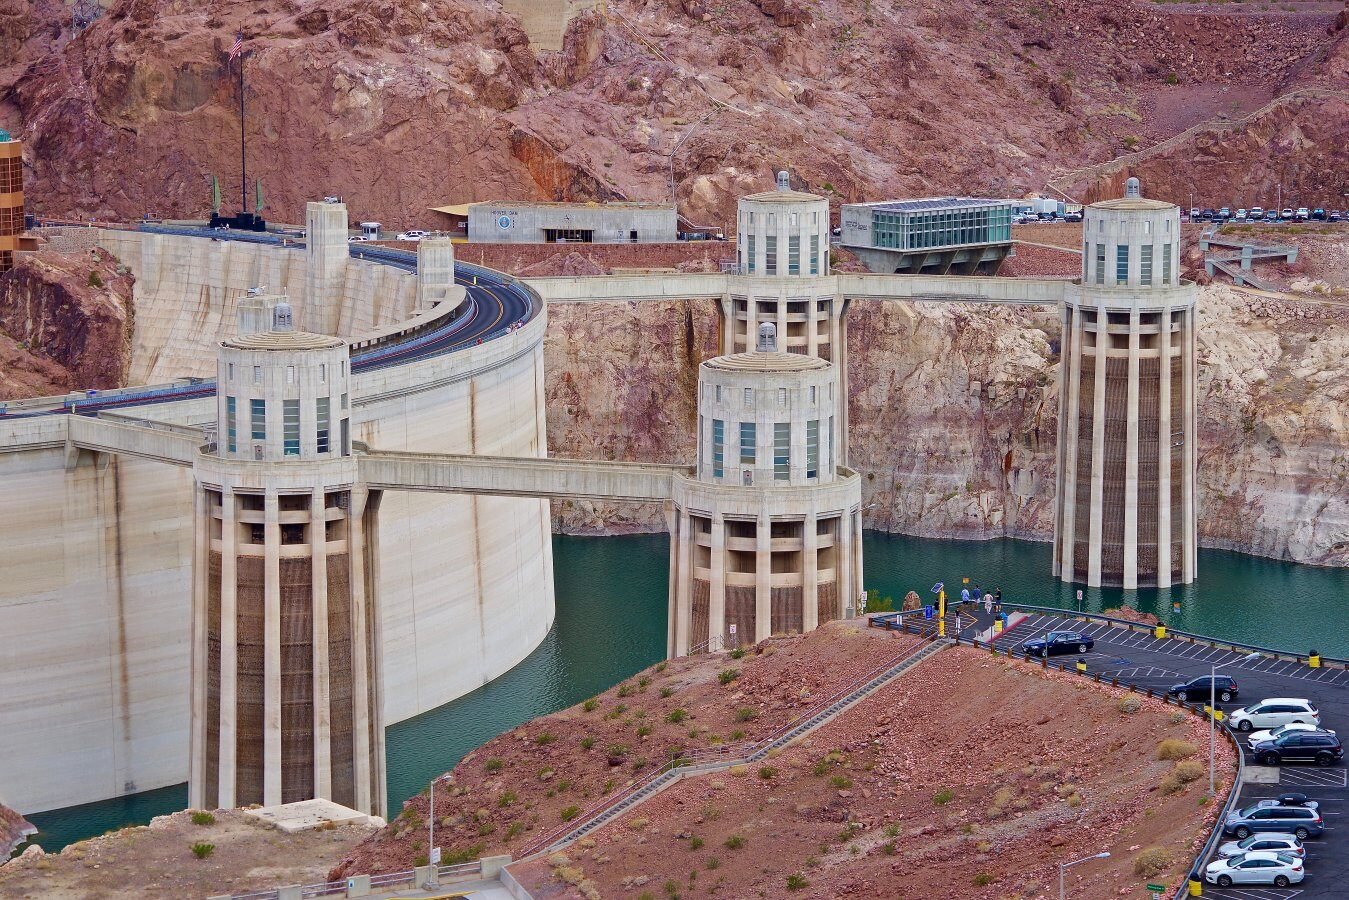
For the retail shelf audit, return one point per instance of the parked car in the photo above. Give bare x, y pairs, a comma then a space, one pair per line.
1320, 747
1335, 216
1225, 213
1270, 734
1208, 214
358, 239
1278, 869
1197, 689
1274, 711
1259, 818
1287, 213
1194, 213
1257, 212
1058, 642
1241, 215
1319, 214
1267, 843
416, 234
1292, 798
1072, 217
1302, 214
1272, 216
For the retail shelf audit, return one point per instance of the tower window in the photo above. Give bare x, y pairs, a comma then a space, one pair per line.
1145, 265
231, 424
815, 253
782, 396
1122, 264
257, 374
813, 448
718, 392
718, 447
812, 393
747, 441
1100, 263
770, 246
782, 451
231, 371
290, 374
290, 422
749, 398
794, 255
321, 417
1166, 264
257, 411
323, 372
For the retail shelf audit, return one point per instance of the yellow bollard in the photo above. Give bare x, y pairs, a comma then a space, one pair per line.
1159, 632
997, 626
1196, 888
1082, 666
1314, 661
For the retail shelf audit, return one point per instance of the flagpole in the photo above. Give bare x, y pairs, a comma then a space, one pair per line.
243, 156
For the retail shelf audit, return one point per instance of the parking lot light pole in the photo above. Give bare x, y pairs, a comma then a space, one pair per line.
1212, 710
1063, 867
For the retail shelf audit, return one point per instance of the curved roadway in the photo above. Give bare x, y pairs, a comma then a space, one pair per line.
495, 302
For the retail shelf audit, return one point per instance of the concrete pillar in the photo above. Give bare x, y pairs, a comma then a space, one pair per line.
201, 547
858, 582
1131, 461
843, 552
716, 603
684, 589
726, 308
810, 575
326, 256
672, 606
782, 316
318, 548
1164, 454
840, 355
1098, 449
812, 327
1070, 394
379, 778
360, 658
271, 680
229, 649
1191, 442
763, 578
435, 271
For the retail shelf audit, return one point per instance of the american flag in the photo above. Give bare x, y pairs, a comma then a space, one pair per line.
237, 47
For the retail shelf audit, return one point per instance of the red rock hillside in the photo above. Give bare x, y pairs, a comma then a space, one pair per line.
398, 106
65, 324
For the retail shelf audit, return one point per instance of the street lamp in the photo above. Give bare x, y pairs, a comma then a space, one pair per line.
1063, 867
433, 881
1212, 715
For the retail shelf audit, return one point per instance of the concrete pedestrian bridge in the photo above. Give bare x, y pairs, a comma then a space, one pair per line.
241, 570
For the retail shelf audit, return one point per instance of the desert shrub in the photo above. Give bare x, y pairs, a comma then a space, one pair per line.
738, 735
587, 743
737, 653
1188, 770
677, 715
639, 823
695, 843
891, 831
506, 798
666, 691
494, 765
734, 842
644, 731
624, 689
545, 738
95, 281
713, 863
767, 772
983, 878
516, 829
1129, 705
746, 714
943, 797
1150, 862
459, 857
644, 682
796, 881
842, 782
660, 666
590, 705
728, 675
1175, 749
201, 849
202, 818
1172, 78
569, 813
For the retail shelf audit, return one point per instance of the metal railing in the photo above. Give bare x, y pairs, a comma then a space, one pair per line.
457, 872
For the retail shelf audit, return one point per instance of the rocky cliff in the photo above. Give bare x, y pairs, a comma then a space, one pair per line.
14, 829
66, 324
954, 409
401, 106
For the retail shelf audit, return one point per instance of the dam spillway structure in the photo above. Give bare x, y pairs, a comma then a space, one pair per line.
765, 537
284, 648
1125, 501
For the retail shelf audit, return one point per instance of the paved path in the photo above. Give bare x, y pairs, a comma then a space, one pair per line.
1139, 657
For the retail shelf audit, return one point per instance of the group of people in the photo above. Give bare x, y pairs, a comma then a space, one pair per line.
992, 602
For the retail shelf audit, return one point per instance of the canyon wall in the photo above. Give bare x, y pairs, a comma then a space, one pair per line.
954, 410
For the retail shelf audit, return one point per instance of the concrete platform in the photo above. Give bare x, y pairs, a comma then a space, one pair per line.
307, 815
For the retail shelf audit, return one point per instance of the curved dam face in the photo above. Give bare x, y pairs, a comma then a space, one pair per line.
96, 598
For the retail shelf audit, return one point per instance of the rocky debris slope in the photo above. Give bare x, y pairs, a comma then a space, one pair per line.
379, 100
14, 829
527, 782
954, 409
66, 323
881, 802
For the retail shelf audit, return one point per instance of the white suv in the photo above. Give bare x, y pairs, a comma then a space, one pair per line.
1273, 712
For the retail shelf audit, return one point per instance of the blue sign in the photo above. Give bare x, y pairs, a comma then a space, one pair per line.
503, 222
937, 588
928, 612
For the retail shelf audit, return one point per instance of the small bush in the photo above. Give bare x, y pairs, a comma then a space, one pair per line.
624, 689
569, 813
713, 863
587, 743
494, 765
1129, 705
734, 842
982, 879
796, 881
746, 714
666, 691
643, 683
695, 843
506, 799
892, 831
842, 782
590, 705
95, 281
1188, 770
516, 829
1174, 749
459, 857
737, 735
1150, 862
677, 715
943, 797
202, 818
888, 848
546, 738
821, 768
644, 731
660, 667
1172, 78
728, 675
201, 849
737, 653
767, 772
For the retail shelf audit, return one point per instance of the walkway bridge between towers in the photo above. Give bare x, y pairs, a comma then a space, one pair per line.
714, 286
104, 433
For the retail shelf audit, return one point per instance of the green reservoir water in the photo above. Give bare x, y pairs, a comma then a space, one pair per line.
611, 596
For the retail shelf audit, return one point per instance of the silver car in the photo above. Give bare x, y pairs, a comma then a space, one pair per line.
1268, 842
1278, 869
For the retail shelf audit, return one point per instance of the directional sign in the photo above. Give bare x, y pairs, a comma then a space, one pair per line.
928, 612
435, 856
1156, 887
937, 588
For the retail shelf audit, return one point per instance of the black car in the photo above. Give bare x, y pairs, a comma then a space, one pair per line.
1320, 747
1197, 689
1058, 642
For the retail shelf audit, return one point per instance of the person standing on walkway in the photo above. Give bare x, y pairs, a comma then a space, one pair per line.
997, 599
988, 604
964, 595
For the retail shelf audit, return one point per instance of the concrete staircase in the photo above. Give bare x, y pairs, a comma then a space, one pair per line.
720, 760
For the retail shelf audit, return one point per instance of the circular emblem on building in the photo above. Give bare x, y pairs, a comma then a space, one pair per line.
503, 222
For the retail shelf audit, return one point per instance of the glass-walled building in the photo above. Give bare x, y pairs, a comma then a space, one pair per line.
946, 235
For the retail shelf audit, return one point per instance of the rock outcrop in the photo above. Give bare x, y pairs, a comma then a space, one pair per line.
66, 323
953, 415
14, 830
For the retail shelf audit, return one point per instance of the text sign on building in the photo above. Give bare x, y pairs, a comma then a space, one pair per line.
505, 218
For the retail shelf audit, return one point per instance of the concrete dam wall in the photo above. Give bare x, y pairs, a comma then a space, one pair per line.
96, 602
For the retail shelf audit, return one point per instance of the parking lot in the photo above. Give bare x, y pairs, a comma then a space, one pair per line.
1140, 658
